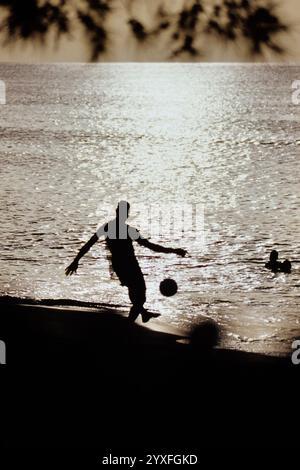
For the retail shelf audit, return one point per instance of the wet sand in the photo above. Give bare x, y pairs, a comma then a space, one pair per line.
86, 377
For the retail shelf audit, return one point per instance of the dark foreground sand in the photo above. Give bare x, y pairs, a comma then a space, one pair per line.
87, 378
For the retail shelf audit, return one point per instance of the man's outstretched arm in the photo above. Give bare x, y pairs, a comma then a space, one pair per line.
161, 249
72, 268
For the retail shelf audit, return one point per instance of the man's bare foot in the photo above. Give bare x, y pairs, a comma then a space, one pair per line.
146, 316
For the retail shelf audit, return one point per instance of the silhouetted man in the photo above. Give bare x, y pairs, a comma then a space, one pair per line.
119, 237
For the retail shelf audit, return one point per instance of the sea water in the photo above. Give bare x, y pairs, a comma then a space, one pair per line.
74, 139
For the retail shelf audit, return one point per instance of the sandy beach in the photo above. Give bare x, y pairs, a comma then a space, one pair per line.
87, 375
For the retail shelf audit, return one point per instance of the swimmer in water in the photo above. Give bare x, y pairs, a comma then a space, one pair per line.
273, 264
276, 266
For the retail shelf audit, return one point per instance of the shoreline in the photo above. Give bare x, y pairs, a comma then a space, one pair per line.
68, 325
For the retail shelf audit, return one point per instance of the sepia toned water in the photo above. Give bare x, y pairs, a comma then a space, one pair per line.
77, 138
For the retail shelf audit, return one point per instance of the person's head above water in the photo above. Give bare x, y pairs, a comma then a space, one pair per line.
273, 256
122, 210
286, 266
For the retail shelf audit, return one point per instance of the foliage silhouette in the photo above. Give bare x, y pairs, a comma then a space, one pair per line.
184, 32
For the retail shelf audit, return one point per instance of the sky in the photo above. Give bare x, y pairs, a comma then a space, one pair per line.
75, 48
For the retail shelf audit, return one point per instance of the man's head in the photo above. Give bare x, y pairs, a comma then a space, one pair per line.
122, 210
273, 256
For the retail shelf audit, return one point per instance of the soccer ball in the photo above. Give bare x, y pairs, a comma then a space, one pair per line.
168, 287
